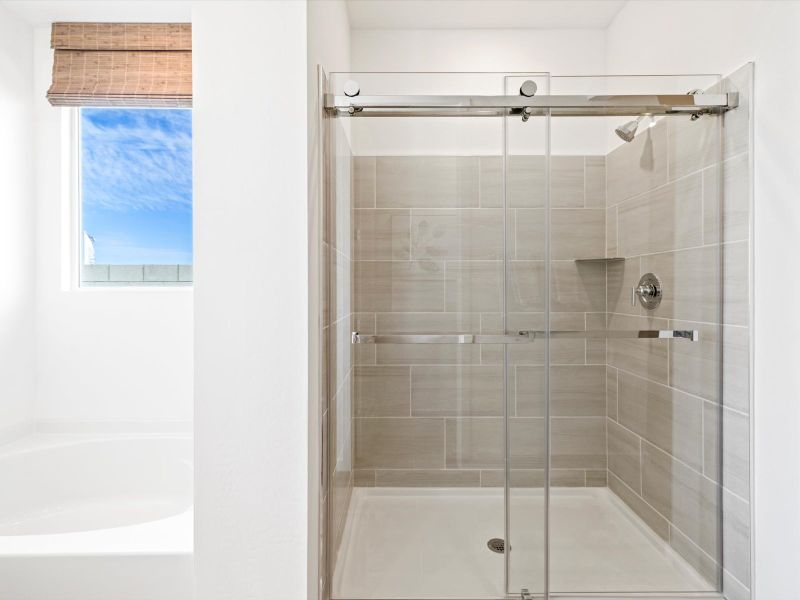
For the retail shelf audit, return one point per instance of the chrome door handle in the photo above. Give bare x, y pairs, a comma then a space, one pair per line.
524, 337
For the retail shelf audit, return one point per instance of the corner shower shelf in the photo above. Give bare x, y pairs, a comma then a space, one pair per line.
599, 260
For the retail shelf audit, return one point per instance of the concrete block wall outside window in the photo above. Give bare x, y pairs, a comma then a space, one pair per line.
136, 275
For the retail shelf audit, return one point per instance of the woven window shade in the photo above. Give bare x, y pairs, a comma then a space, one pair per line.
121, 64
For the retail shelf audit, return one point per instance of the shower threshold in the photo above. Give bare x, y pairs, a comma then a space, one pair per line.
415, 543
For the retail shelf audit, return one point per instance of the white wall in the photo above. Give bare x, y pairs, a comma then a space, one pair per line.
102, 355
558, 51
656, 37
251, 299
562, 51
16, 225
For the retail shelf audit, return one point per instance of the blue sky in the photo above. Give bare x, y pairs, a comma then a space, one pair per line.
136, 178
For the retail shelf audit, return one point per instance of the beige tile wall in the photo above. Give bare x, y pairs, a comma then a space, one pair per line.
642, 417
664, 401
428, 248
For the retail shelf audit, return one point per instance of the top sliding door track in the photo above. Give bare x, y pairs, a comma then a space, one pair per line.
557, 106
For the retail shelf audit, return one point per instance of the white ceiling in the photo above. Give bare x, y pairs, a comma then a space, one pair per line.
482, 14
364, 14
41, 13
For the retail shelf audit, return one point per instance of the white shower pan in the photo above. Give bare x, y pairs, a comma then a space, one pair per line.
91, 517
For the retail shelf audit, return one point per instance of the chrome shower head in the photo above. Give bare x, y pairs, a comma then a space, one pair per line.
627, 131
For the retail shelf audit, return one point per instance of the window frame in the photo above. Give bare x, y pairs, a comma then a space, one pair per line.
72, 238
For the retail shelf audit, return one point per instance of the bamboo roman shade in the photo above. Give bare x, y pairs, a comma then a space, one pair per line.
121, 64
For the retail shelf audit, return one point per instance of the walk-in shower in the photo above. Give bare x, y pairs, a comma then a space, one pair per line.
533, 336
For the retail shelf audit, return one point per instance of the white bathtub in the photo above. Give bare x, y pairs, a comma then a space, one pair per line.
92, 517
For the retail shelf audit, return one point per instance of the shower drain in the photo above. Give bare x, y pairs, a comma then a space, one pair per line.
497, 545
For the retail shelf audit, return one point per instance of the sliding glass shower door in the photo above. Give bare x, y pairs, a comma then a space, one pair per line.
431, 291
522, 334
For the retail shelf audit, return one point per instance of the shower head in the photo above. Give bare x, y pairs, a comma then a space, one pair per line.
627, 131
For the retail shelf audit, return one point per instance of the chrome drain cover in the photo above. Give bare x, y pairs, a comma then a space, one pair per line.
497, 545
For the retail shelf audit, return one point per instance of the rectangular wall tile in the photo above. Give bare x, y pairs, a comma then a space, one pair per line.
574, 233
596, 348
624, 456
736, 283
526, 181
682, 495
693, 145
646, 512
426, 181
577, 287
578, 442
382, 391
734, 202
691, 278
428, 354
473, 286
567, 478
595, 183
694, 368
736, 536
598, 478
667, 218
663, 416
526, 443
474, 443
467, 234
612, 241
611, 392
566, 182
427, 478
475, 390
364, 181
701, 562
364, 478
390, 286
529, 234
434, 322
646, 358
622, 276
735, 462
526, 289
575, 391
399, 443
381, 234
479, 443
518, 478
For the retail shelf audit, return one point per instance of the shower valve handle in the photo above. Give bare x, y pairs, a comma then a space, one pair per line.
648, 291
645, 292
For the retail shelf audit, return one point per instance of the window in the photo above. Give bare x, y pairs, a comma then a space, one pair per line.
135, 196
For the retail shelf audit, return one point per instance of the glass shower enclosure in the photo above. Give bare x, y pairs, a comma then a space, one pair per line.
521, 330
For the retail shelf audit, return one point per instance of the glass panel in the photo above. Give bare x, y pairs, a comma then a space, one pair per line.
634, 503
527, 204
420, 229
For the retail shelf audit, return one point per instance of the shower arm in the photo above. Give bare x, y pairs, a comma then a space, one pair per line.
490, 106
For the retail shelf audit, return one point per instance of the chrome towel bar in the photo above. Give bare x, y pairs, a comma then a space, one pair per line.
524, 337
